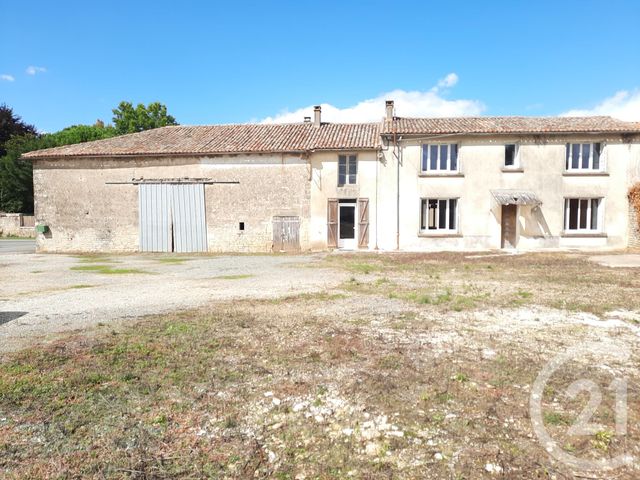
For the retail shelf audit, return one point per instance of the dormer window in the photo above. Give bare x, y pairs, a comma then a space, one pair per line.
584, 156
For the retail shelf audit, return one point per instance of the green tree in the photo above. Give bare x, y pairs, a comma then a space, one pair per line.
16, 182
11, 125
130, 119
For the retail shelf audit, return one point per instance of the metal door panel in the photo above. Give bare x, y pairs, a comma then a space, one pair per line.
172, 218
189, 221
154, 209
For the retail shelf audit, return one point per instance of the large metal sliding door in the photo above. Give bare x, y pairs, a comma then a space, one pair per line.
189, 224
172, 218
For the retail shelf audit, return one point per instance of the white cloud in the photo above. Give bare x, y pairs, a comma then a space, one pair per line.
428, 103
624, 105
448, 81
32, 70
7, 78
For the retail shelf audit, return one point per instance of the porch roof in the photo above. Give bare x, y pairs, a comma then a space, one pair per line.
515, 197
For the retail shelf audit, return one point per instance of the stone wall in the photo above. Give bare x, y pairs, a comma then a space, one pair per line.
88, 210
16, 225
634, 229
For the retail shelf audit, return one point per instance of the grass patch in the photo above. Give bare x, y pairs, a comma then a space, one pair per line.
172, 260
233, 277
14, 237
365, 268
107, 270
95, 259
555, 418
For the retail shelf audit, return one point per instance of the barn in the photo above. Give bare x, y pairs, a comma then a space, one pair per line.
233, 188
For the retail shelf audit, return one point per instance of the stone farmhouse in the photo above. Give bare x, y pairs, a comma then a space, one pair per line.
412, 184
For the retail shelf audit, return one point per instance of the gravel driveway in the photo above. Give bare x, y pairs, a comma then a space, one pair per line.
17, 246
45, 295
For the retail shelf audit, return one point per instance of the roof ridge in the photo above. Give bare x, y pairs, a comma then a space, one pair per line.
528, 117
208, 125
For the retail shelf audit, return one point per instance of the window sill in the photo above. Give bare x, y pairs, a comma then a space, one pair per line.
444, 174
583, 235
512, 170
439, 235
570, 173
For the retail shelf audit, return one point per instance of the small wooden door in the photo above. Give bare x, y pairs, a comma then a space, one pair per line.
363, 223
332, 223
509, 226
286, 234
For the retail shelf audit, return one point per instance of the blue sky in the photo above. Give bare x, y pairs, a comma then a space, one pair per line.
228, 62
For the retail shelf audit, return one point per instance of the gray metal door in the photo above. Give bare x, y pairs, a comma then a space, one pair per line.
154, 202
172, 218
189, 224
286, 234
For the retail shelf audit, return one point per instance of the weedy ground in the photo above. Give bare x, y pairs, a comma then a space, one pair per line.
418, 366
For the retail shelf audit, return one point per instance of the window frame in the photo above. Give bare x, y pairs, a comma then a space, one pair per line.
349, 159
516, 157
426, 161
593, 147
589, 217
424, 216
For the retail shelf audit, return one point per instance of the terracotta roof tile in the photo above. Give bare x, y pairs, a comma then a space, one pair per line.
221, 139
301, 137
509, 125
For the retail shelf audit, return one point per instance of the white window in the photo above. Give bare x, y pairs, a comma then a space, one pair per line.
440, 158
347, 169
584, 156
439, 214
583, 214
511, 152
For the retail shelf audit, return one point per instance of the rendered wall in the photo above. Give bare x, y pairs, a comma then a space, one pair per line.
87, 214
481, 161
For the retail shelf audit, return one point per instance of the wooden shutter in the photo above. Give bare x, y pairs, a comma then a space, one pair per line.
363, 222
332, 223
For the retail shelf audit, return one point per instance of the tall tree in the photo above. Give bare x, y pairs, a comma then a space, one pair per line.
130, 119
11, 125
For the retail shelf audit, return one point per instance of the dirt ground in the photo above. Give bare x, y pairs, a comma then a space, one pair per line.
42, 296
389, 366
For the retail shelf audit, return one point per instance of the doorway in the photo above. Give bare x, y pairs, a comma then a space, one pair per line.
347, 225
509, 226
172, 217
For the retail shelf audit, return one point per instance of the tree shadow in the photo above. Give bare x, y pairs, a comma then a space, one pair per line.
6, 317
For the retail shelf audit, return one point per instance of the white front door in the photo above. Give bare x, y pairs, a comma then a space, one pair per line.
347, 226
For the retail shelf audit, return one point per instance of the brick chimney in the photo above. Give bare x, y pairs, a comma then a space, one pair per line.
388, 105
316, 116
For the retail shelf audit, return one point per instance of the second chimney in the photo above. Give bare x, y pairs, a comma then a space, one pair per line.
389, 109
316, 116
